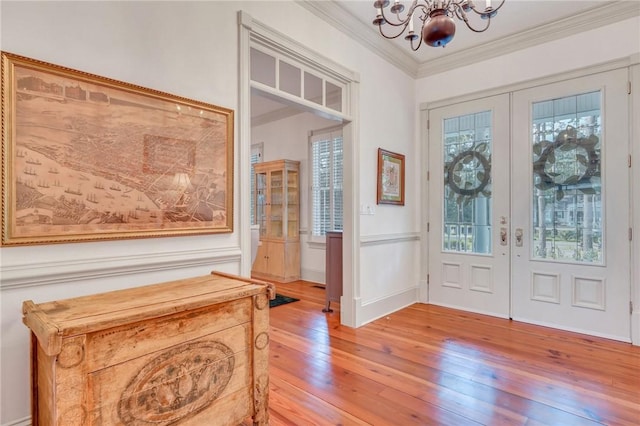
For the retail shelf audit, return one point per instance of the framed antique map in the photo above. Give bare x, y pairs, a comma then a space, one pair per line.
88, 158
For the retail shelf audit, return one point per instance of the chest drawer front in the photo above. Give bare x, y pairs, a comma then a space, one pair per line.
116, 345
192, 378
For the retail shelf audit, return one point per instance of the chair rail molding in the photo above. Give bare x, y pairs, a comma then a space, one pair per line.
56, 272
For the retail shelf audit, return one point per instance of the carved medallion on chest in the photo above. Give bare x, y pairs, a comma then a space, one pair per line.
179, 382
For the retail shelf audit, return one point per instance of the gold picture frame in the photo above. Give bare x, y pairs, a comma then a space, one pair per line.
390, 177
88, 158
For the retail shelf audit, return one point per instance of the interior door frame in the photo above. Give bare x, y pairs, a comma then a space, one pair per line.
630, 62
252, 32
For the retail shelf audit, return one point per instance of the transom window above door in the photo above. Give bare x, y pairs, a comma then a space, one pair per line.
295, 81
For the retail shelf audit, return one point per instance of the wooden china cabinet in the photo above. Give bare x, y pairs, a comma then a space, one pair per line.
277, 211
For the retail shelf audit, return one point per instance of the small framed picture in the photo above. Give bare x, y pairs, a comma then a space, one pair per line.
390, 178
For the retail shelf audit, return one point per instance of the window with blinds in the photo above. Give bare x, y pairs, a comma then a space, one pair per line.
326, 181
256, 157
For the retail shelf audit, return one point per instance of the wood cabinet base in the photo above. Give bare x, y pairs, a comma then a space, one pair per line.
188, 352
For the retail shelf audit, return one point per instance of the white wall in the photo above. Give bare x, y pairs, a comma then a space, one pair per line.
191, 49
289, 139
602, 44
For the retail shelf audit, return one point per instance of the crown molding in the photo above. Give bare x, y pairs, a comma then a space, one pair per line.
334, 14
565, 27
337, 16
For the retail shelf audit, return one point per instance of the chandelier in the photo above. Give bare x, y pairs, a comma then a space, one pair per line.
438, 26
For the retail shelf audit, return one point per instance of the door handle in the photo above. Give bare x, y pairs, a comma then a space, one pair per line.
519, 235
503, 236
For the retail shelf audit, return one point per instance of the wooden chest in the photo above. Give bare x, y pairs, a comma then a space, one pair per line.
187, 352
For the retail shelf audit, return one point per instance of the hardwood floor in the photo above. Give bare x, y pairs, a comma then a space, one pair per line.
430, 365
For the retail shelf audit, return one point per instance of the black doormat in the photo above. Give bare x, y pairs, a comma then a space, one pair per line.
281, 300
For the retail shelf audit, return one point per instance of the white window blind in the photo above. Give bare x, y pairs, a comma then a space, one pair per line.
326, 185
256, 157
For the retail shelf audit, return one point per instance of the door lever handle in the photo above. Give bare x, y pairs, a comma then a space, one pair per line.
503, 236
519, 235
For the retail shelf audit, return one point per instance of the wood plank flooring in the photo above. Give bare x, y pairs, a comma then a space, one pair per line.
428, 365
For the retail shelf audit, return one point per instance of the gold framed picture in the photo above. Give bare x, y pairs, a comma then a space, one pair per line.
390, 177
88, 158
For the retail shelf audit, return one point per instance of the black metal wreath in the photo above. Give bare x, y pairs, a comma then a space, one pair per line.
483, 176
567, 141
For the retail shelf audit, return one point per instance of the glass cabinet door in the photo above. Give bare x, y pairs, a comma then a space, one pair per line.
261, 203
276, 229
293, 209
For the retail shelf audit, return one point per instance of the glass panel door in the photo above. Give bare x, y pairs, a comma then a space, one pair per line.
570, 254
469, 206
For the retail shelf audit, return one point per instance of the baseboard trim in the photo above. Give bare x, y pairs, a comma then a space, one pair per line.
313, 275
385, 306
26, 421
635, 328
466, 309
574, 330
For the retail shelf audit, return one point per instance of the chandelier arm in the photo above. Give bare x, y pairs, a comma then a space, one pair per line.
466, 21
462, 15
418, 46
402, 22
390, 37
493, 11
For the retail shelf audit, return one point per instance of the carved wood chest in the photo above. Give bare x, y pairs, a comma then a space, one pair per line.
186, 352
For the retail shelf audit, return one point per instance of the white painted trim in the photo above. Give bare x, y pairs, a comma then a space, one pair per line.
385, 306
343, 20
475, 311
423, 132
314, 275
26, 421
376, 240
368, 36
528, 84
58, 272
254, 33
634, 131
276, 41
243, 143
572, 329
600, 16
635, 327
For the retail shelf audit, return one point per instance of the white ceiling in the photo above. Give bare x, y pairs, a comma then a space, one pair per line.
514, 17
519, 24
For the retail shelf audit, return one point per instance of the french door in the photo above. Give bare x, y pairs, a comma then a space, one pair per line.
529, 205
571, 251
469, 206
